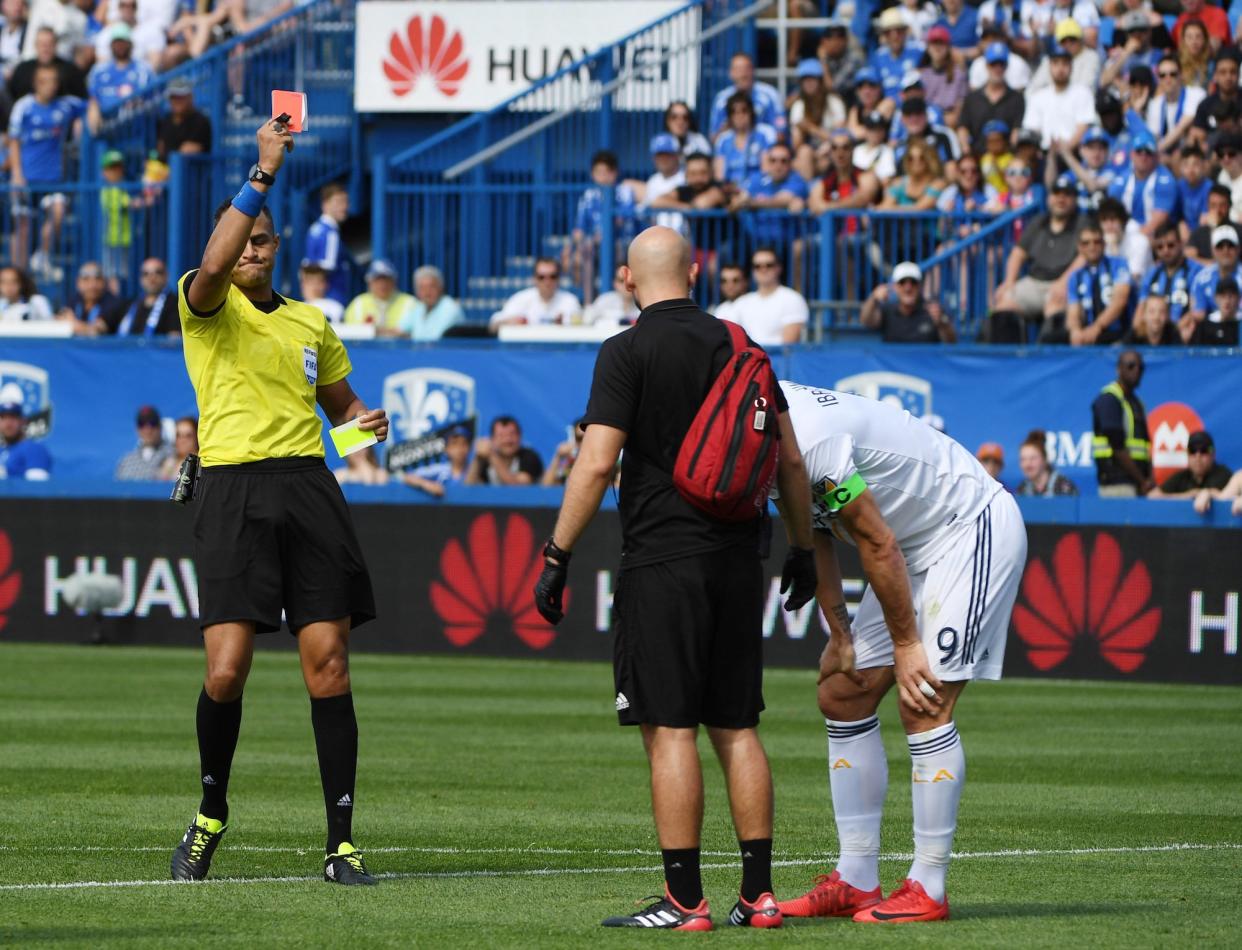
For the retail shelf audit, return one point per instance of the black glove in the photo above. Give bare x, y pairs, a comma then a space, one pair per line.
551, 583
798, 577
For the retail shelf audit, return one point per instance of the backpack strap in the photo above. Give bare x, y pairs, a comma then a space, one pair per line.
737, 336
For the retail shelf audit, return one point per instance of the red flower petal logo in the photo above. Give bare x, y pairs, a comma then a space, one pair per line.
10, 581
489, 583
1086, 602
426, 52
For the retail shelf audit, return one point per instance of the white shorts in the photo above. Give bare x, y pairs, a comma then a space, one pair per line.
962, 602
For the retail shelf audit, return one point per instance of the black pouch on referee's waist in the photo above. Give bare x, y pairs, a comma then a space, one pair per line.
187, 480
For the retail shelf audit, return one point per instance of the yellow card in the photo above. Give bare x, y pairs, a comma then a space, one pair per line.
348, 438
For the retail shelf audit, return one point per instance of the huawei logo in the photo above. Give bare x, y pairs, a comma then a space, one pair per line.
1089, 607
433, 53
487, 585
10, 581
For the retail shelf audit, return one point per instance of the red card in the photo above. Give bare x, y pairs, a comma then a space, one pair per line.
292, 104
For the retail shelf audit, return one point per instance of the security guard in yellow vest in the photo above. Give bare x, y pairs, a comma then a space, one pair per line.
1122, 445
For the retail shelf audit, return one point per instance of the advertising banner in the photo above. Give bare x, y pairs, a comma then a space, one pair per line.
81, 396
1153, 604
472, 55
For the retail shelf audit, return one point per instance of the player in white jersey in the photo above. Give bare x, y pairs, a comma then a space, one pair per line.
943, 546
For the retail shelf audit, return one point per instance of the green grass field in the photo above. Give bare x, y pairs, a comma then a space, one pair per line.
506, 809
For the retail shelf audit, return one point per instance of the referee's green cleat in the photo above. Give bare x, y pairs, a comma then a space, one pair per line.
346, 867
192, 858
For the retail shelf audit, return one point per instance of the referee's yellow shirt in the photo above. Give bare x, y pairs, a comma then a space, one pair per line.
255, 375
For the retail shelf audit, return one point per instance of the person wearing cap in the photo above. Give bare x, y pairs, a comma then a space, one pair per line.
1098, 294
902, 314
146, 461
942, 76
20, 457
1214, 19
544, 303
992, 457
1085, 68
147, 34
91, 299
1220, 328
768, 104
1203, 291
916, 125
1135, 50
382, 305
994, 102
1063, 110
313, 289
1224, 90
1148, 191
840, 55
111, 83
1171, 112
1090, 168
153, 312
39, 127
323, 240
1170, 278
451, 470
1199, 244
114, 204
1047, 251
1001, 20
873, 152
1202, 472
1121, 444
815, 111
184, 129
897, 53
1014, 69
962, 21
665, 151
868, 100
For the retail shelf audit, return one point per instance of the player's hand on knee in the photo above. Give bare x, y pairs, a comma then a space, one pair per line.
838, 657
798, 577
916, 684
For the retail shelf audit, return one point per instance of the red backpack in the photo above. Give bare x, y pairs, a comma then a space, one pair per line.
727, 461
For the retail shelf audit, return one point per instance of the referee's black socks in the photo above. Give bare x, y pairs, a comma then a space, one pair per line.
218, 728
681, 874
756, 868
336, 741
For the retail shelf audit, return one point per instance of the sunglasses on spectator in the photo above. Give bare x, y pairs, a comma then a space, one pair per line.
1227, 152
1167, 73
764, 265
781, 159
842, 146
91, 275
546, 276
1017, 173
907, 280
1089, 242
1201, 450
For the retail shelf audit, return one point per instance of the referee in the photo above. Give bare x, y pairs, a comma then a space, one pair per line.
688, 636
272, 532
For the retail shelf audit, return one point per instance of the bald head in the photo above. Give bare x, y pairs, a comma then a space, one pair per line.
660, 266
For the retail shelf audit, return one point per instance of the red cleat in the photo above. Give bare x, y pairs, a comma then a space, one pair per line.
831, 897
762, 913
909, 904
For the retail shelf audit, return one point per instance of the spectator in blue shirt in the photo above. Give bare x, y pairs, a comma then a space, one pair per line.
962, 22
323, 241
740, 148
110, 84
19, 457
1193, 186
897, 54
778, 188
1148, 191
769, 105
1203, 290
434, 311
1172, 276
1092, 173
39, 126
1098, 292
451, 470
579, 257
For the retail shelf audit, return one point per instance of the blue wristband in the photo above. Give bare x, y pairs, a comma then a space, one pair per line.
250, 201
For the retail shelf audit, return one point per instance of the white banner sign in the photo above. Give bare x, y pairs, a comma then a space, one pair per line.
470, 55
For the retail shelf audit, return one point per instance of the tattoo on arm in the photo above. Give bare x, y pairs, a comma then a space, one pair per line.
842, 614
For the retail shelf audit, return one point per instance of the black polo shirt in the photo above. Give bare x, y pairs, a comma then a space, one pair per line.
896, 326
649, 382
1217, 477
1050, 252
170, 135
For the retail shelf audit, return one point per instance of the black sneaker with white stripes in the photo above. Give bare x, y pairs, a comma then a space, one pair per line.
666, 914
764, 912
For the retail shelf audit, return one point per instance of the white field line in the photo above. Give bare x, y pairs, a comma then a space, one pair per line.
552, 872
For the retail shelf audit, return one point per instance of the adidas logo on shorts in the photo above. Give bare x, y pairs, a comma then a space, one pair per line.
622, 702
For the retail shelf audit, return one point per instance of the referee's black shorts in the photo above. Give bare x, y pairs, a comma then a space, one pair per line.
275, 535
688, 641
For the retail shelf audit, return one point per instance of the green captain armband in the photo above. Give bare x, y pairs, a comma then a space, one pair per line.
837, 497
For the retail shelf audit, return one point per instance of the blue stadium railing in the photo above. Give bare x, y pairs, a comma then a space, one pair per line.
310, 48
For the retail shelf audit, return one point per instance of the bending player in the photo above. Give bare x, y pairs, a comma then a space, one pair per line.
942, 546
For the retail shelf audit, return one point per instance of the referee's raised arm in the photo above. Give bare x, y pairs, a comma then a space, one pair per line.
234, 230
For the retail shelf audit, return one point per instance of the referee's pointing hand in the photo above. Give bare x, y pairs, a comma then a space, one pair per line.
274, 141
374, 420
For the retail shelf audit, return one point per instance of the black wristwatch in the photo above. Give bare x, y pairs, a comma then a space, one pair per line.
259, 175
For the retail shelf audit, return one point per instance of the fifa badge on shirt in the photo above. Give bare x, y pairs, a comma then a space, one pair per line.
310, 363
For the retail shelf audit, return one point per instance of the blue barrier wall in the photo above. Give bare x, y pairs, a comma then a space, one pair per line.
88, 392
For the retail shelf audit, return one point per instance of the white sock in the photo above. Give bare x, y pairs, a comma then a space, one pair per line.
938, 776
858, 776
